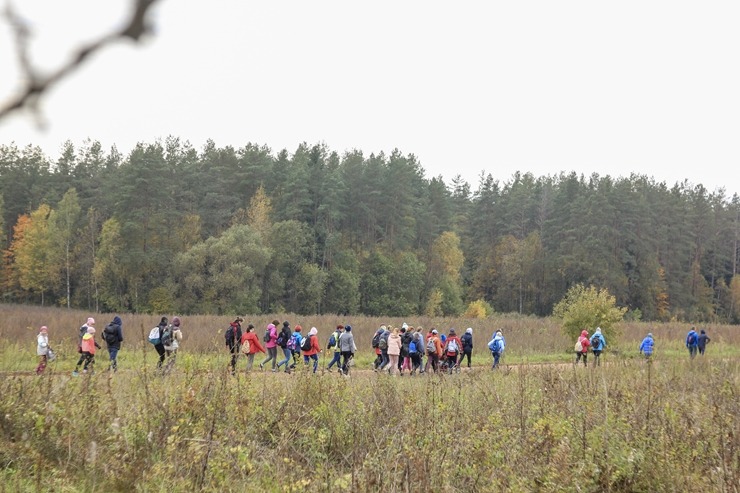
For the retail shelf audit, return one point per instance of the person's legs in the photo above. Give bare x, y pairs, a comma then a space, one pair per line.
234, 357
597, 358
393, 366
692, 352
346, 355
42, 365
468, 354
89, 362
385, 360
112, 356
286, 358
701, 350
80, 361
161, 352
334, 360
585, 356
315, 358
496, 357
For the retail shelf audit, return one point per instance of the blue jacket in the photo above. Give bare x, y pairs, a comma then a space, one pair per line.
600, 336
695, 341
647, 346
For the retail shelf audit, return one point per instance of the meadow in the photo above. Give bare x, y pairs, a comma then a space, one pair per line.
537, 424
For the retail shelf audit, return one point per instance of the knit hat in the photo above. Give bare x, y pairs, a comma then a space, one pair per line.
298, 328
405, 326
117, 320
313, 331
90, 321
91, 330
44, 328
176, 321
347, 328
469, 330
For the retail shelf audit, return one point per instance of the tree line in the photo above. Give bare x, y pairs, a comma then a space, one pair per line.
170, 228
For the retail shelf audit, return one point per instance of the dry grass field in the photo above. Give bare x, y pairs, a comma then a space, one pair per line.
629, 426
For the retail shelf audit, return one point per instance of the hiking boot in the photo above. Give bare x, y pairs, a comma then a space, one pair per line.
262, 367
75, 373
274, 370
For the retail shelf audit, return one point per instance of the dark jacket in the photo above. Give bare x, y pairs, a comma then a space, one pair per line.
703, 340
233, 336
115, 328
467, 342
286, 334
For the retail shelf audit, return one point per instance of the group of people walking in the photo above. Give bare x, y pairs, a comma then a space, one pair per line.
398, 349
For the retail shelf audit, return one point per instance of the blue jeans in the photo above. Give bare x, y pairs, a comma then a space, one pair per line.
335, 359
496, 356
315, 358
112, 354
287, 353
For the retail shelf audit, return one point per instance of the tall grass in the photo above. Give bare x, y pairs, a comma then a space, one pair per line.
635, 427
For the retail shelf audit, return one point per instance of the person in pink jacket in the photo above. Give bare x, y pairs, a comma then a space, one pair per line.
394, 350
270, 339
582, 346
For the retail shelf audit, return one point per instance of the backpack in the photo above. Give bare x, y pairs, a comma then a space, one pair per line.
109, 334
376, 340
291, 344
495, 345
452, 346
412, 347
692, 340
431, 347
332, 341
281, 339
596, 343
166, 336
245, 346
267, 335
383, 343
579, 346
306, 344
154, 335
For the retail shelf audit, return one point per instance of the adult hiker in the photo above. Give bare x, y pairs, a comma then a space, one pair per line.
113, 337
692, 342
347, 348
598, 343
496, 345
433, 349
467, 346
172, 344
251, 339
270, 339
394, 350
581, 347
703, 341
163, 338
233, 336
333, 344
647, 346
283, 342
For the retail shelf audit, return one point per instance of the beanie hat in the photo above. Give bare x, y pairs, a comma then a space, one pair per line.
469, 330
298, 328
347, 328
176, 321
91, 330
44, 329
90, 321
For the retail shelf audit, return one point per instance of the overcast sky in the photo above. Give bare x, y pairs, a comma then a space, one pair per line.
651, 87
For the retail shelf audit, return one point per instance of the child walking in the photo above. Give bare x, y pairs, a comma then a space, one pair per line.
89, 345
42, 349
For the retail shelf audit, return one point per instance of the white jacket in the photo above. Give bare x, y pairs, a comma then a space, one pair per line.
42, 345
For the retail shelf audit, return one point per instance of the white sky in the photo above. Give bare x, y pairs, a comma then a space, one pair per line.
651, 87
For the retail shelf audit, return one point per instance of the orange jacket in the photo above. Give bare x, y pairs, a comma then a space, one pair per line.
254, 342
88, 344
315, 348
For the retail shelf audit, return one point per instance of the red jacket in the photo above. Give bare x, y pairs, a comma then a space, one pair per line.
447, 345
315, 348
254, 343
584, 343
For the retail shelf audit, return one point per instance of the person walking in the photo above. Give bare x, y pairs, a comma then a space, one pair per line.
581, 347
89, 345
703, 341
334, 344
416, 347
233, 336
42, 349
467, 346
420, 342
692, 342
283, 342
598, 343
270, 339
433, 349
496, 345
163, 338
375, 344
294, 344
249, 337
113, 337
311, 349
647, 346
347, 348
383, 346
82, 332
394, 350
172, 344
404, 362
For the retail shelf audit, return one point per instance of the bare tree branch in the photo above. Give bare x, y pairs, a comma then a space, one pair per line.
34, 85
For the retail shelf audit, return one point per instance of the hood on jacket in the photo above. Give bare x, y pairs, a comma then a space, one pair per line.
87, 336
598, 330
584, 333
117, 320
176, 321
270, 326
313, 331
